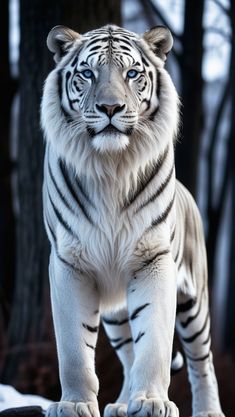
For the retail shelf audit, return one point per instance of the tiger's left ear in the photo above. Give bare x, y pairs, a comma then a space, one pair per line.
59, 41
160, 40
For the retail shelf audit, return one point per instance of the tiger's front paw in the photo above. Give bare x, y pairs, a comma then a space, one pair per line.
151, 407
115, 410
73, 409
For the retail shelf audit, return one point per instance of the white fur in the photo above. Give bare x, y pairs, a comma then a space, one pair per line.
103, 265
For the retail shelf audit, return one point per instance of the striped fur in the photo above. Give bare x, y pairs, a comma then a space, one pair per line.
126, 237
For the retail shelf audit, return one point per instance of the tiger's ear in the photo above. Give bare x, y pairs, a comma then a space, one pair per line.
160, 40
59, 41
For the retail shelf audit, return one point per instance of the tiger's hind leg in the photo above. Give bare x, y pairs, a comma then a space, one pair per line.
119, 334
193, 325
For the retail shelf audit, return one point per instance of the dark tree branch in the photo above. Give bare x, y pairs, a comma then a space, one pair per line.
148, 12
220, 32
212, 144
163, 19
224, 9
149, 7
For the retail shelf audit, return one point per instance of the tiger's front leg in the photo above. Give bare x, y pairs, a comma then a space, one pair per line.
75, 307
152, 305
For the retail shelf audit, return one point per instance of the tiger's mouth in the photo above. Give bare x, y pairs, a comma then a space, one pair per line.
110, 129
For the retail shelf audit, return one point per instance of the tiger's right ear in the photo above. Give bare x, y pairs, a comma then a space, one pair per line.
159, 40
59, 41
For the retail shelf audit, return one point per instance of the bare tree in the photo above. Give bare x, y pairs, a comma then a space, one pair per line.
7, 243
215, 207
230, 180
192, 86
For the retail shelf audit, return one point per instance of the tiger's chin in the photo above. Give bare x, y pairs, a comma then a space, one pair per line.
112, 142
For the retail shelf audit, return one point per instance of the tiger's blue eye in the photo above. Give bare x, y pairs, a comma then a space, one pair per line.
87, 73
132, 73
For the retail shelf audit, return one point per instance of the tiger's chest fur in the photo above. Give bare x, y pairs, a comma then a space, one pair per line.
102, 230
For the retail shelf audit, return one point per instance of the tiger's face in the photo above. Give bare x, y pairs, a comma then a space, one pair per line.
109, 81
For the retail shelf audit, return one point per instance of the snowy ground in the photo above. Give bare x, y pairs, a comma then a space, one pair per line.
10, 398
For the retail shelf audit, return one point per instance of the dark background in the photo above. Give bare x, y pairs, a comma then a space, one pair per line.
205, 159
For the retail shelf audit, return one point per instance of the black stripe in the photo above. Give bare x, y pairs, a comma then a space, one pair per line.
124, 41
145, 62
145, 178
160, 189
154, 113
151, 117
163, 215
185, 323
81, 189
151, 260
90, 346
115, 339
208, 337
136, 312
201, 358
90, 328
125, 342
158, 84
183, 307
94, 48
125, 48
197, 334
59, 73
60, 218
67, 116
71, 189
58, 190
68, 75
114, 322
180, 264
177, 254
140, 335
88, 46
50, 229
75, 60
68, 264
150, 74
77, 270
172, 235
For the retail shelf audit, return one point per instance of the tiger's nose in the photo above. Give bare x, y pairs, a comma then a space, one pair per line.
110, 109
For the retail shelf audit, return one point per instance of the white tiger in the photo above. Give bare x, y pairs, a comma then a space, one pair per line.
126, 238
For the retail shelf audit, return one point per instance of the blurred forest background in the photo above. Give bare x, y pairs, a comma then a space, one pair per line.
202, 66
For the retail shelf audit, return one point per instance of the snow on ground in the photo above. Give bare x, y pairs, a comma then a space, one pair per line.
9, 398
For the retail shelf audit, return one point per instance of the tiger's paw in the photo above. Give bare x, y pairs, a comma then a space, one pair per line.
73, 409
115, 410
151, 407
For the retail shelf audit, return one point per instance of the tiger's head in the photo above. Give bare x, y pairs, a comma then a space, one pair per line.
109, 90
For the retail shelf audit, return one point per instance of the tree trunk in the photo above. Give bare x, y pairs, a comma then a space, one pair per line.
37, 17
7, 237
192, 85
230, 308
